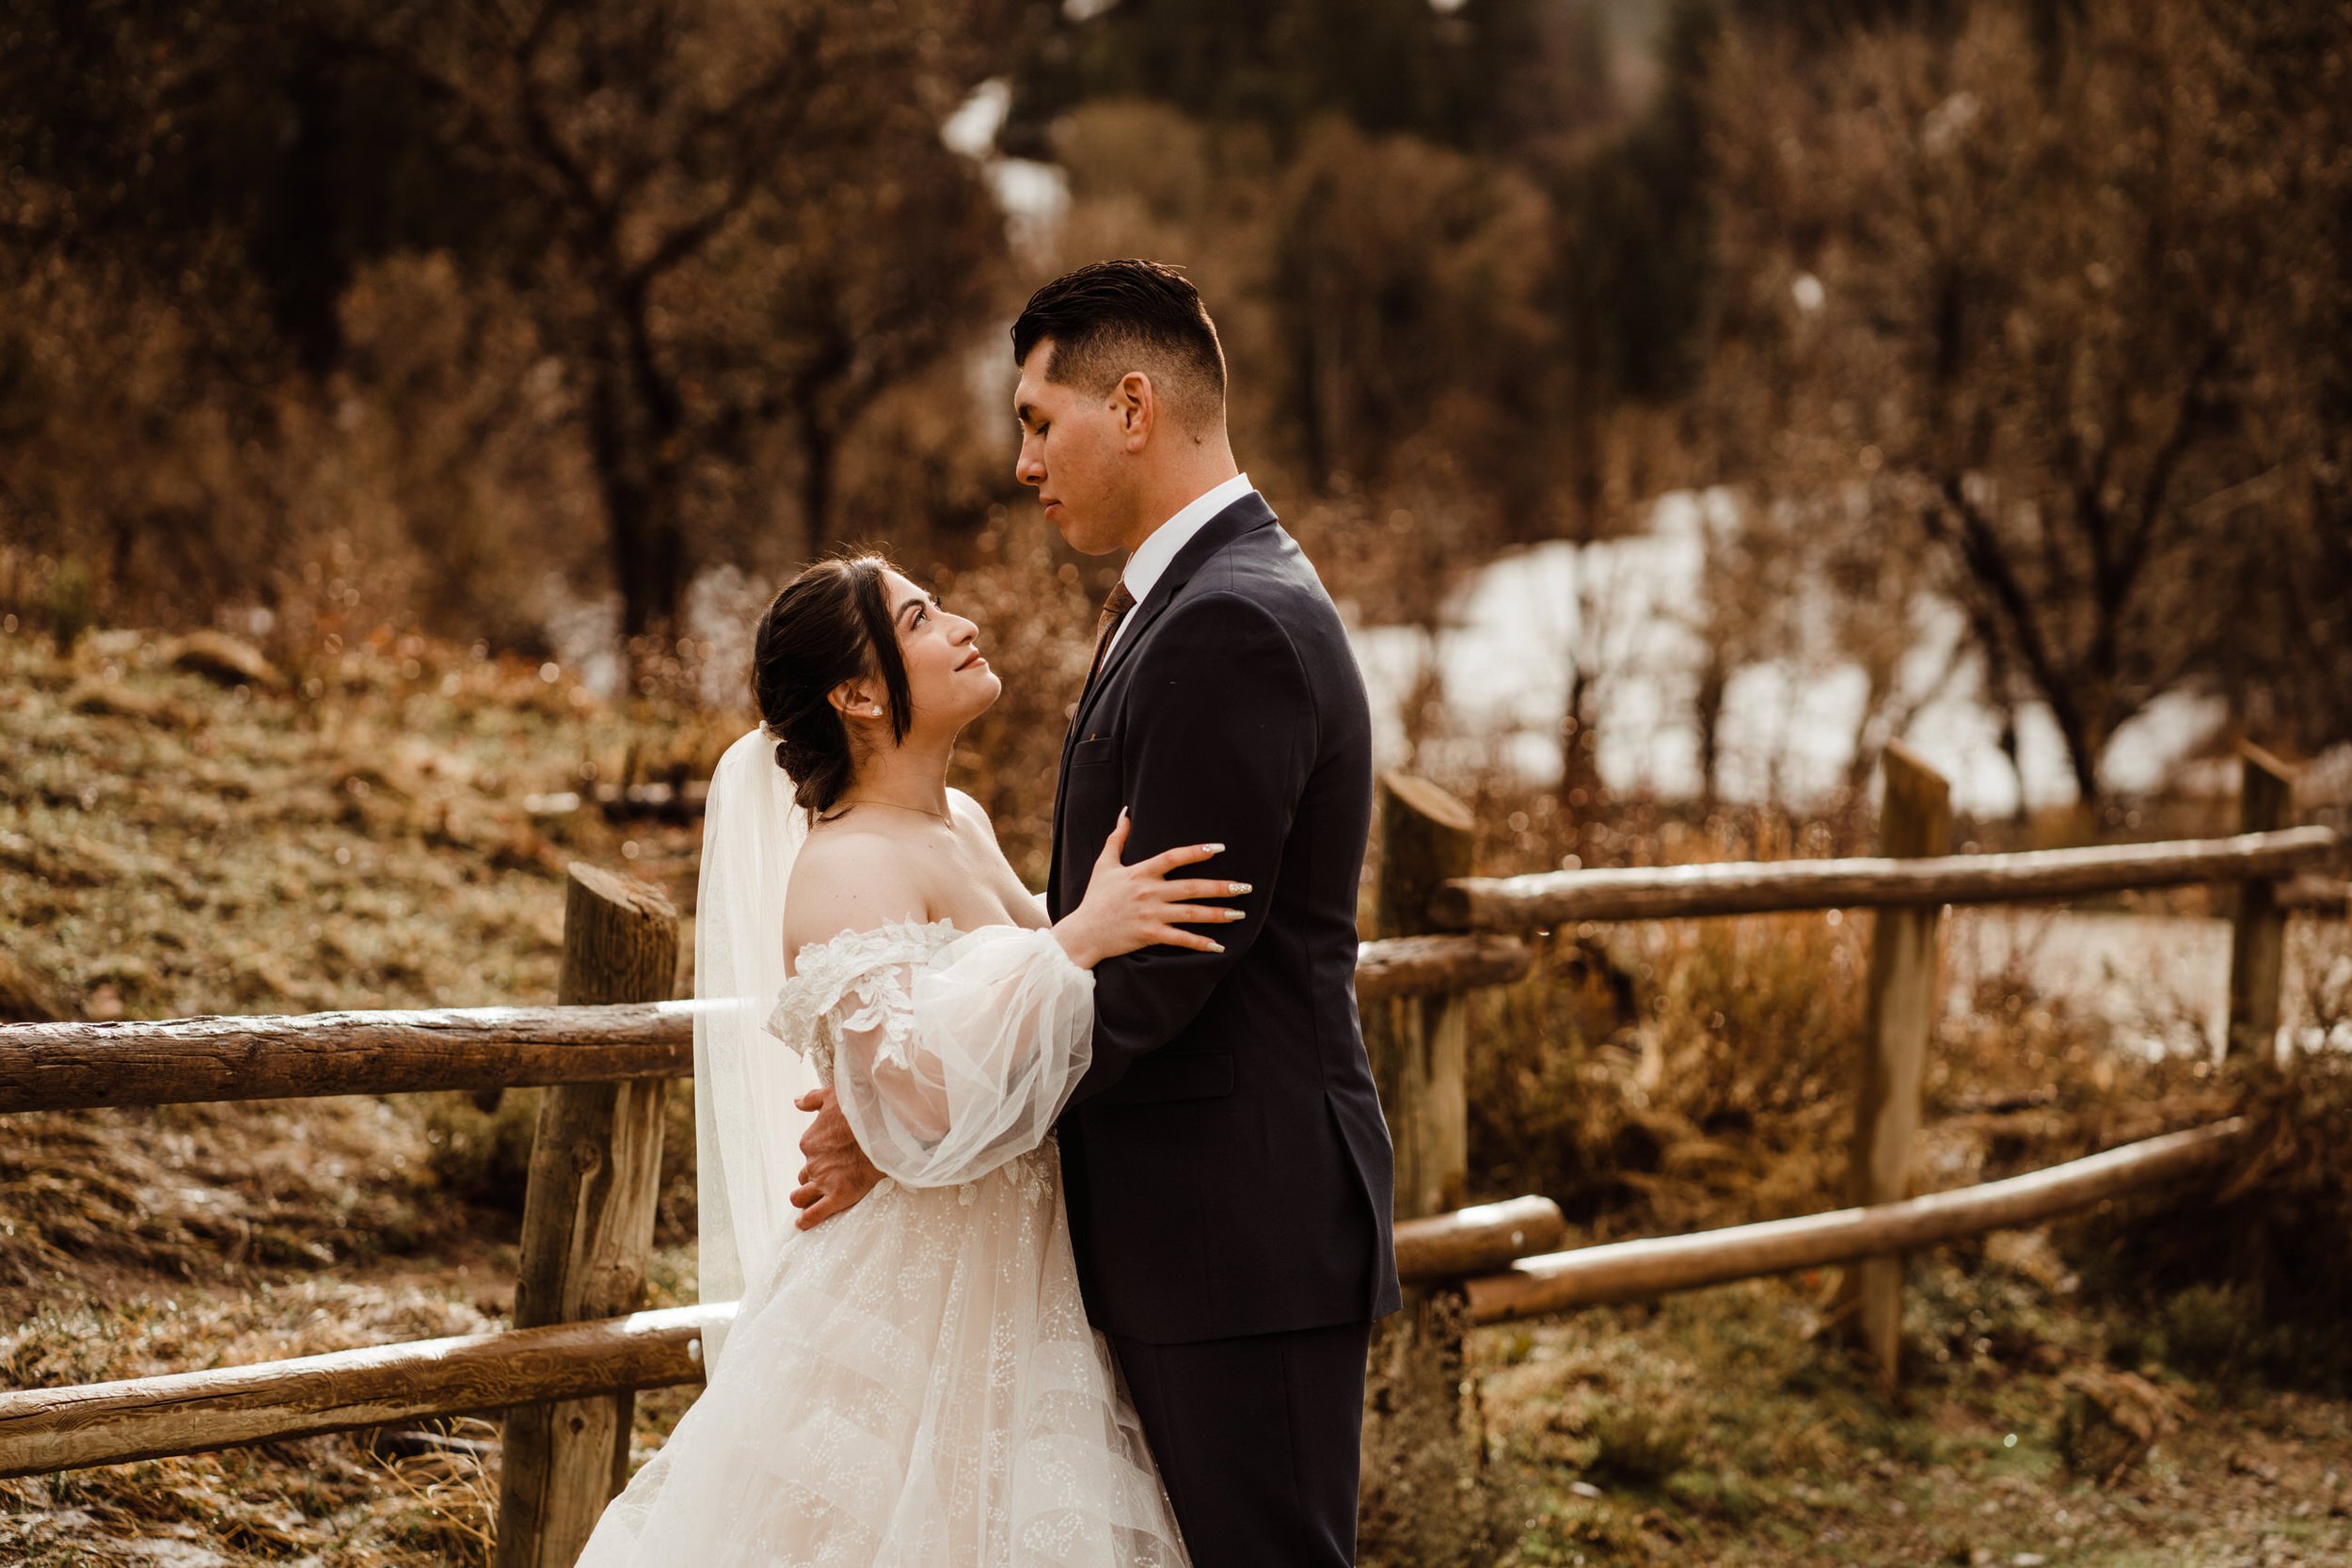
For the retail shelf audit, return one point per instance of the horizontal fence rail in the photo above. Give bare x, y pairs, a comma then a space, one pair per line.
54, 1067
147, 1418
49, 1067
1752, 887
1659, 1265
1471, 1241
1431, 966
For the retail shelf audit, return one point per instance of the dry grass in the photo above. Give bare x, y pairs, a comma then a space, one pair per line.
358, 839
1725, 1427
323, 1499
2245, 1278
213, 1193
1655, 1078
1426, 1499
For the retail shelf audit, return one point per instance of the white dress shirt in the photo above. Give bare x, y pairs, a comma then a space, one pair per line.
1151, 559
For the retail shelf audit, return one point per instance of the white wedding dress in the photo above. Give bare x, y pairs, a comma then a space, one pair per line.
913, 1382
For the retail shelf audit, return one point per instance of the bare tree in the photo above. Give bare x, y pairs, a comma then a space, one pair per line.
2014, 302
656, 138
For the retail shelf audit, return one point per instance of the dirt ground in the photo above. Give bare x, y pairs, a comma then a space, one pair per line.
378, 833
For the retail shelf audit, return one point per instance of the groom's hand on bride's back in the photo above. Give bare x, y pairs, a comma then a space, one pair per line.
837, 1173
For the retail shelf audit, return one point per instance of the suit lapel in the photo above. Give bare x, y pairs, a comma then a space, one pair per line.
1249, 512
1062, 789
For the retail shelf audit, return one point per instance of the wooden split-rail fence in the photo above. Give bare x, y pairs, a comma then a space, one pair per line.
566, 1373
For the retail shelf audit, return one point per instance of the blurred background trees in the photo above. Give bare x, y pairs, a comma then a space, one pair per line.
636, 267
2032, 304
496, 320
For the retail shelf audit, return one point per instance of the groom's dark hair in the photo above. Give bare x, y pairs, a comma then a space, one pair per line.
1108, 318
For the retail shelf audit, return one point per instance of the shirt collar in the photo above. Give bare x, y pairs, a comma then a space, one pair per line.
1151, 559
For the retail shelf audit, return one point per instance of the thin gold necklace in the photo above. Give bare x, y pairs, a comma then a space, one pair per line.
847, 803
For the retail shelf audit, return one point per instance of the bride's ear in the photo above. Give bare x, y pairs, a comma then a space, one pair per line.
852, 702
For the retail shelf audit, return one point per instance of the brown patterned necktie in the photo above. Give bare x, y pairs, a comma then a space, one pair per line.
1114, 610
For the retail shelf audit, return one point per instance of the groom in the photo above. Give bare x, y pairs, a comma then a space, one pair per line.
1226, 1166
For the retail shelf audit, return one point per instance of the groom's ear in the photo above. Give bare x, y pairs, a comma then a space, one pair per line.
1136, 403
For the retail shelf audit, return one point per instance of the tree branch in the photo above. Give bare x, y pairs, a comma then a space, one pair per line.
1979, 548
751, 165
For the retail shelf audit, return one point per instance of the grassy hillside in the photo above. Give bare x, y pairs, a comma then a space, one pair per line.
359, 834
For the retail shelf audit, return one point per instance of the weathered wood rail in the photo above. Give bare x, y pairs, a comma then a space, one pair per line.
1659, 1265
1768, 887
565, 1374
43, 1429
147, 1418
54, 1066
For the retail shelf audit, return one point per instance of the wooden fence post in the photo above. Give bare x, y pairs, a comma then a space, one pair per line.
587, 1225
1418, 1044
1899, 1017
2258, 937
1421, 1448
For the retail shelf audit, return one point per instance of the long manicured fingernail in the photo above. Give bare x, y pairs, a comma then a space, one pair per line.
1216, 947
1217, 848
1237, 887
1236, 914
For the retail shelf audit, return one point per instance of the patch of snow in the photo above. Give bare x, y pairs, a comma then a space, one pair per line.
1504, 655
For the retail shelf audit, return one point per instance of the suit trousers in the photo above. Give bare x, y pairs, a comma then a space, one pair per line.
1259, 1441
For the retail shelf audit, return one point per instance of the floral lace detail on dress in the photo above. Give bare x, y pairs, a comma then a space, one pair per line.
863, 969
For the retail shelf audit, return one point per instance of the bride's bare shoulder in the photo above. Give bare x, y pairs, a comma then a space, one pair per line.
849, 880
969, 813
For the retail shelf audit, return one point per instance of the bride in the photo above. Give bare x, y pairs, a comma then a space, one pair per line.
914, 1381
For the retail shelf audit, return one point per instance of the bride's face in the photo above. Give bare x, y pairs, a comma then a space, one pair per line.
950, 683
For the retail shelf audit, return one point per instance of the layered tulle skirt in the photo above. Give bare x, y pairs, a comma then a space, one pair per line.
912, 1384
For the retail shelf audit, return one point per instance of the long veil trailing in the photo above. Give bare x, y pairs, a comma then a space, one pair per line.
747, 1131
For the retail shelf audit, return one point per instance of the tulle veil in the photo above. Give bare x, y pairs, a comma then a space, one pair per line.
747, 1131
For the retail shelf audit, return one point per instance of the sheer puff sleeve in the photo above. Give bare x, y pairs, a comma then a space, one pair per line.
948, 1060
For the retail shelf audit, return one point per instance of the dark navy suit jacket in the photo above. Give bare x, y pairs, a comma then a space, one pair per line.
1227, 1167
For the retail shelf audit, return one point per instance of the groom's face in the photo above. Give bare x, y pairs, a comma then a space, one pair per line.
1074, 450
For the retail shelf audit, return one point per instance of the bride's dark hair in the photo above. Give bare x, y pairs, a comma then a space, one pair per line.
831, 624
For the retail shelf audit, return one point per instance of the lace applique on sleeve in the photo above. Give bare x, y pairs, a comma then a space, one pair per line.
858, 978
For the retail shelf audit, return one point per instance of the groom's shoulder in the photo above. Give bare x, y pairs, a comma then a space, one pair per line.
1237, 621
1216, 610
1267, 569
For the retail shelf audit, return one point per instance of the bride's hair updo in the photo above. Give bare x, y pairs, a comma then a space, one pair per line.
831, 624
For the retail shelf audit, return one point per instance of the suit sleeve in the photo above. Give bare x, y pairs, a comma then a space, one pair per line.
1218, 740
